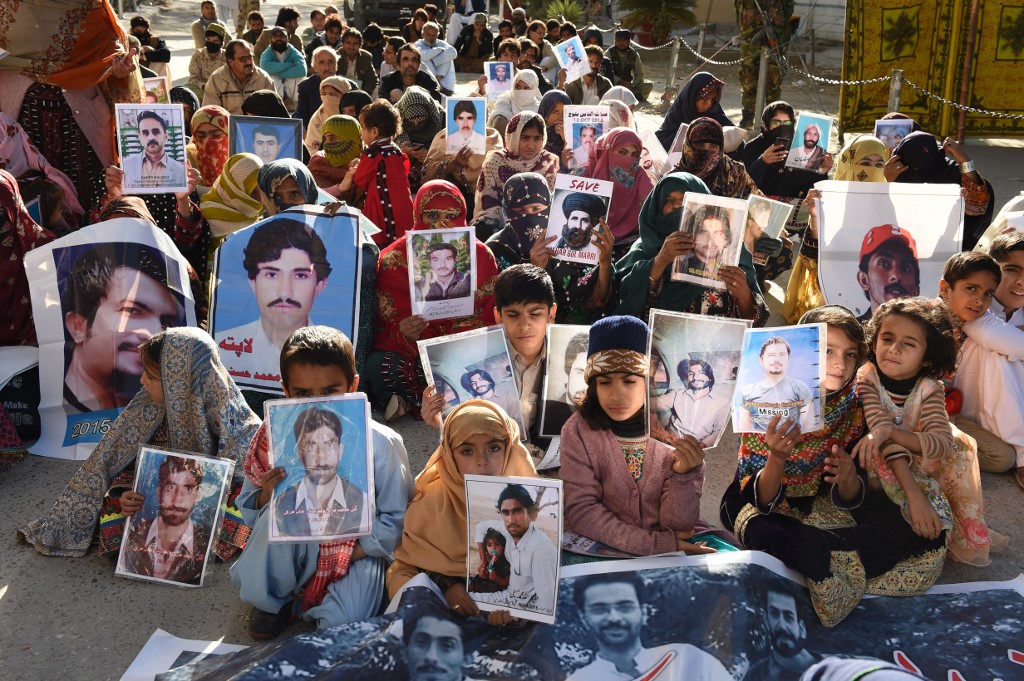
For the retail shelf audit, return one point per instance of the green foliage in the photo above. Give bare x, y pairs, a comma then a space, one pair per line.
423, 259
664, 16
565, 10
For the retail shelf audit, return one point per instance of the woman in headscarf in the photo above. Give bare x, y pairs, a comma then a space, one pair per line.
619, 115
616, 159
265, 103
920, 159
524, 96
644, 274
704, 157
209, 148
862, 160
189, 104
552, 110
461, 169
233, 201
621, 94
189, 404
765, 156
422, 119
476, 438
331, 91
341, 144
523, 153
701, 96
581, 291
353, 101
20, 158
393, 372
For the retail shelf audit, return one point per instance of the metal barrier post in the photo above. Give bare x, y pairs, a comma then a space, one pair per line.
762, 80
700, 38
673, 65
895, 88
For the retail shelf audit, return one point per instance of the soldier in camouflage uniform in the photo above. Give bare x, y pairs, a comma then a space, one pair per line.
244, 7
750, 22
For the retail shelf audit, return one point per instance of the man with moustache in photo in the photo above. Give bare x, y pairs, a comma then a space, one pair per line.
433, 647
444, 281
712, 236
153, 166
286, 263
481, 386
558, 411
888, 267
582, 213
588, 136
788, 659
696, 410
810, 155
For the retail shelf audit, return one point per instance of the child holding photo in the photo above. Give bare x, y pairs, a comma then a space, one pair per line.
924, 464
622, 488
382, 174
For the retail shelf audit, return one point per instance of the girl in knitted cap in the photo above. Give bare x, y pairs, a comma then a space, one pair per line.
622, 488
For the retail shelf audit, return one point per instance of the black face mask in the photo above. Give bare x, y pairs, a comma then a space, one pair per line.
143, 37
212, 48
279, 47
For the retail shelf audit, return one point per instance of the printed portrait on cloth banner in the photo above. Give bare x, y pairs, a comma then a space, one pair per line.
781, 374
269, 138
442, 272
294, 269
583, 125
514, 539
694, 362
466, 123
564, 366
151, 144
323, 445
97, 294
473, 365
810, 141
880, 241
716, 224
573, 58
577, 206
169, 539
499, 78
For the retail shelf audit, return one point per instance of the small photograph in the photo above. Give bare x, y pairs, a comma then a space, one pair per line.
442, 276
716, 224
892, 131
323, 445
653, 158
564, 386
810, 141
499, 78
514, 544
466, 123
473, 365
765, 217
675, 151
781, 374
577, 206
157, 90
169, 539
583, 125
151, 143
269, 138
694, 361
573, 58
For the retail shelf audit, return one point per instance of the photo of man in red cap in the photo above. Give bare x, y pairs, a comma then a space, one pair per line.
888, 267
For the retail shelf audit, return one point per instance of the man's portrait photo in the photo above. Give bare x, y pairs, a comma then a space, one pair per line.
888, 267
577, 208
783, 619
564, 385
780, 375
324, 496
269, 138
441, 273
466, 124
499, 78
716, 225
479, 385
113, 297
584, 139
152, 144
168, 540
581, 213
516, 524
572, 58
433, 644
443, 280
157, 89
810, 142
892, 132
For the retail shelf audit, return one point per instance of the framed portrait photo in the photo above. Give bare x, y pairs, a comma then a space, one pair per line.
269, 138
442, 272
151, 144
717, 225
578, 204
323, 445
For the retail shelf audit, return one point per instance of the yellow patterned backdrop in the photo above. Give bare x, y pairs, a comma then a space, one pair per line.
928, 41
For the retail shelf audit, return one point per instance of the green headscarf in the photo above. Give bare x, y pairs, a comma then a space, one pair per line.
349, 143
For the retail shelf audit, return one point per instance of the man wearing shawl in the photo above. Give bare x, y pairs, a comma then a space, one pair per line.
809, 155
408, 74
229, 85
629, 72
438, 57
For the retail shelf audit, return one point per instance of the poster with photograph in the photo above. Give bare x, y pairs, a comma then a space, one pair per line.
499, 78
583, 125
97, 294
323, 444
564, 388
297, 268
442, 272
577, 206
781, 373
269, 138
675, 150
577, 543
717, 225
892, 131
810, 141
473, 365
514, 540
157, 90
653, 158
765, 217
151, 144
164, 652
466, 121
694, 362
882, 240
169, 539
573, 58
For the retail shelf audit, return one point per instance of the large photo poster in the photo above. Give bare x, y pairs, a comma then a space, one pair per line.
717, 226
323, 446
724, 617
294, 269
583, 125
442, 272
577, 207
97, 294
881, 241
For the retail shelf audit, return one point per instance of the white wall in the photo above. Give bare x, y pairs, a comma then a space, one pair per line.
827, 17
